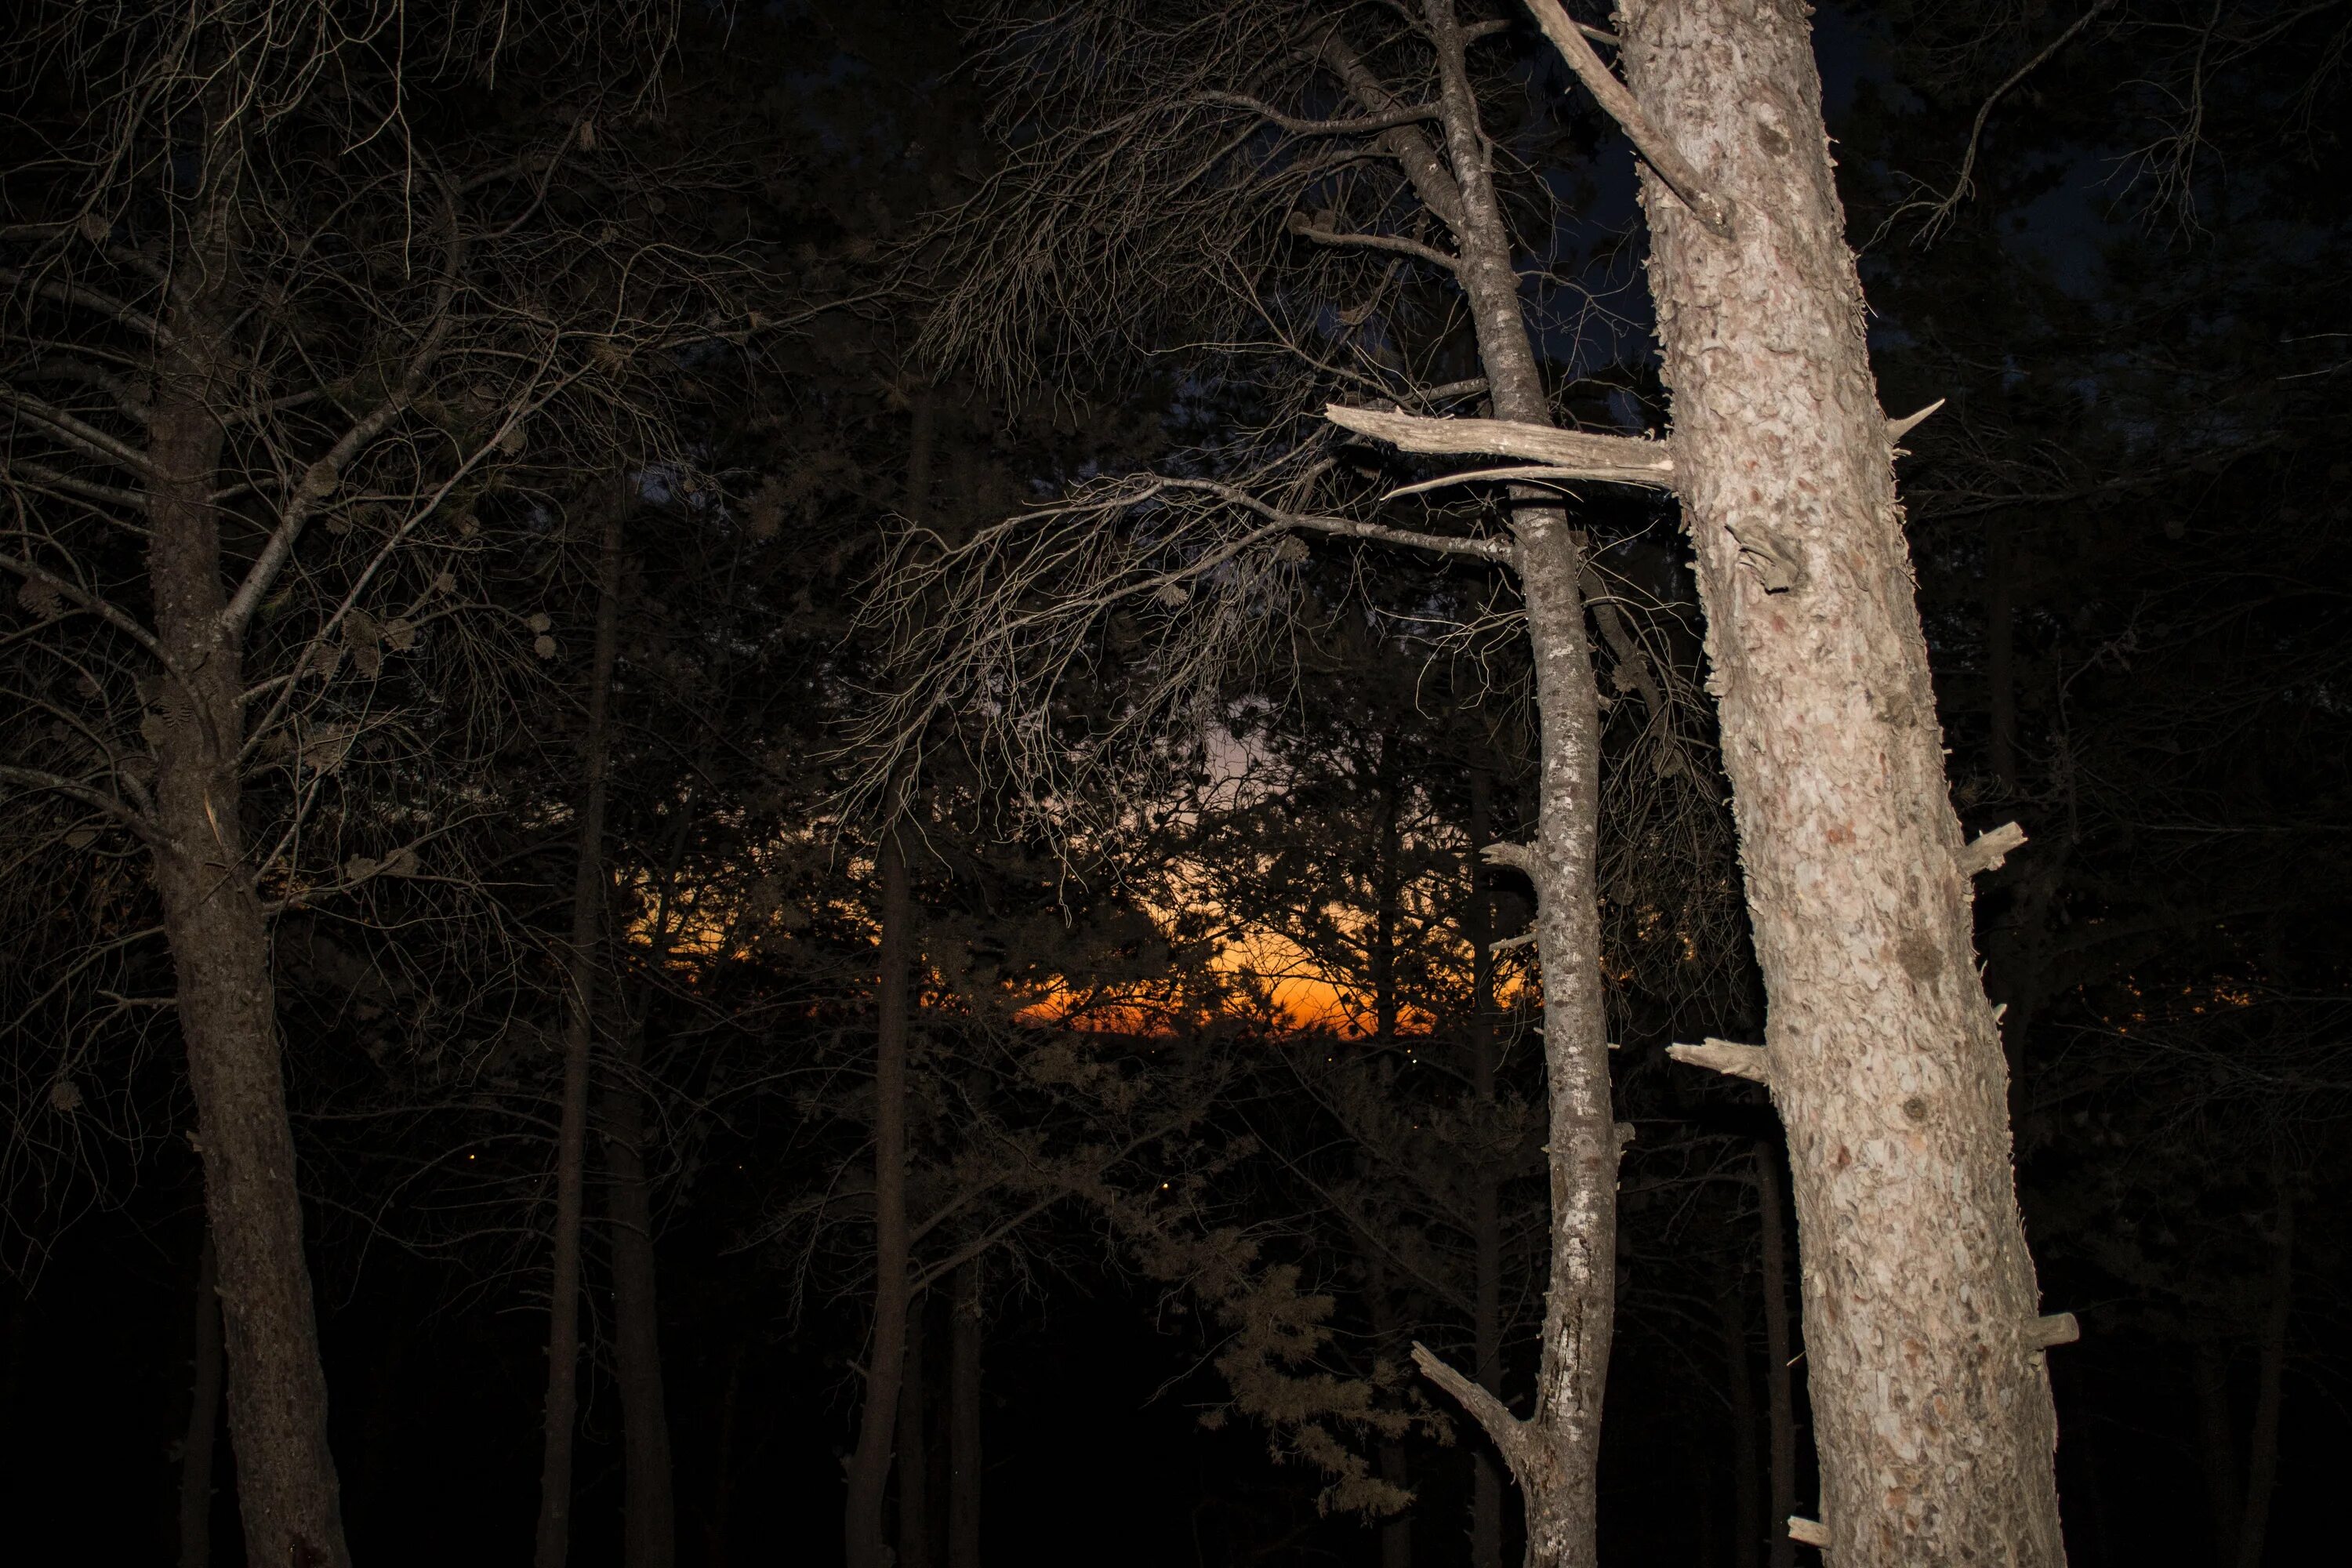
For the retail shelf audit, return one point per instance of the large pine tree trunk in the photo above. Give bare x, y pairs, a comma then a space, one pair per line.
589, 891
1932, 1412
219, 939
649, 1517
869, 1463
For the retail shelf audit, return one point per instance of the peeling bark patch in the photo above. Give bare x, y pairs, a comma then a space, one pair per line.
1918, 955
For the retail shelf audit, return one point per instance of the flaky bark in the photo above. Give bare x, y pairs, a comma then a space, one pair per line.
213, 918
589, 891
1933, 1415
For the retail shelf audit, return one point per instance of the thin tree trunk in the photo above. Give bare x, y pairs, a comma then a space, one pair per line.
1780, 1354
288, 1493
964, 1345
914, 1453
1554, 1452
650, 1510
2217, 1436
1487, 1211
1747, 1488
2263, 1442
589, 891
869, 1464
1932, 1412
203, 1418
1395, 1467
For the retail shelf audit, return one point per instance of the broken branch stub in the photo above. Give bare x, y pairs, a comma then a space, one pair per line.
2057, 1329
1753, 1063
1989, 850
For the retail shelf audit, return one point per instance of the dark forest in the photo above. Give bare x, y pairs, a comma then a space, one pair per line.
1404, 783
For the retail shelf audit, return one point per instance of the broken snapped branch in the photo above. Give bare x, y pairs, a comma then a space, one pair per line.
1987, 851
1807, 1532
2058, 1329
1564, 454
1753, 1063
1898, 428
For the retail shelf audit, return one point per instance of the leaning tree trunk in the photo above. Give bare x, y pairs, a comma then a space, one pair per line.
1554, 1453
589, 892
1932, 1409
869, 1463
219, 939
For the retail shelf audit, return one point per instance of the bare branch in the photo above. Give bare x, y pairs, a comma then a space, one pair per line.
1567, 454
1615, 96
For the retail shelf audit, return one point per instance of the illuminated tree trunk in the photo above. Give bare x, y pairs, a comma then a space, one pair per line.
1554, 1452
1932, 1409
226, 1003
589, 890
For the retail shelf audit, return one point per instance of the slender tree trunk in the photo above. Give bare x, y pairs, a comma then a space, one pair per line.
1779, 1354
1932, 1412
2263, 1442
1395, 1466
203, 1418
914, 1453
1747, 1489
964, 1344
589, 892
1486, 1208
650, 1513
2217, 1436
219, 938
869, 1464
1554, 1452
